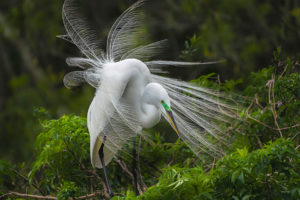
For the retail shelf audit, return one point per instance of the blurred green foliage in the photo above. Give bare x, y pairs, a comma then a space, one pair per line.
263, 161
45, 151
244, 33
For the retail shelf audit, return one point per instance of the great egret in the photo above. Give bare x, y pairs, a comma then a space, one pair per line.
131, 95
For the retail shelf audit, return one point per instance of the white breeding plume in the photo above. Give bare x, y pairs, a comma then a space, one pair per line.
131, 95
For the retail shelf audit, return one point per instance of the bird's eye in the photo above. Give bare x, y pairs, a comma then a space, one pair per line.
162, 101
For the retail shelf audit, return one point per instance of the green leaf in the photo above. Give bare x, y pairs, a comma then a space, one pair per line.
234, 176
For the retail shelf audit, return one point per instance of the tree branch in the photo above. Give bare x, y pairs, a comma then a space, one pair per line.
96, 193
270, 84
88, 196
26, 179
26, 196
94, 173
125, 168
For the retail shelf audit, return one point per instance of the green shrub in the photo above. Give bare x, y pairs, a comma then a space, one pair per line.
263, 161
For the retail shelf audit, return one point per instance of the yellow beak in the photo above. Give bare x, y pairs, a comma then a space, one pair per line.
173, 123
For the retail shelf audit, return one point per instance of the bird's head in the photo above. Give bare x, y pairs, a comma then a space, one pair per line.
158, 96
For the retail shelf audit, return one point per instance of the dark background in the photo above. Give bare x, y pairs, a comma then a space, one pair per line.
32, 58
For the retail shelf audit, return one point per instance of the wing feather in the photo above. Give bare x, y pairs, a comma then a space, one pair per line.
199, 112
122, 35
79, 33
108, 115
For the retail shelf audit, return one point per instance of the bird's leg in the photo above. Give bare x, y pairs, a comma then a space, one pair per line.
134, 167
101, 155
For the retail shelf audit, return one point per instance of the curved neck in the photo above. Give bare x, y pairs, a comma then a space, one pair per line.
150, 114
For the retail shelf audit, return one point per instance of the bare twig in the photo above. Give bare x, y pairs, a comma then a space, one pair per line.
172, 160
26, 179
248, 116
250, 106
294, 126
265, 125
145, 187
213, 164
88, 196
125, 168
259, 142
285, 68
261, 123
270, 127
257, 102
26, 196
272, 103
94, 173
295, 136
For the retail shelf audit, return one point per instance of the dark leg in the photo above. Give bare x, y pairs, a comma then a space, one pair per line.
134, 167
111, 194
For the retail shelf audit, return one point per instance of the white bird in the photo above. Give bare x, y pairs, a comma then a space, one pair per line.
131, 95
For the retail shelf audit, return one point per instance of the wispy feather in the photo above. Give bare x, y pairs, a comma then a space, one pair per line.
199, 111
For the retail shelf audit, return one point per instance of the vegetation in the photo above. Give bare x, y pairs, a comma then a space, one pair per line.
44, 149
262, 163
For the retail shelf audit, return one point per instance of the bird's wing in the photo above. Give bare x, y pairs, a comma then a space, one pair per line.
200, 113
124, 33
125, 40
146, 52
109, 116
85, 39
79, 33
196, 108
91, 76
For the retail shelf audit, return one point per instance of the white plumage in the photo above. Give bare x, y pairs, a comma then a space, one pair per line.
129, 89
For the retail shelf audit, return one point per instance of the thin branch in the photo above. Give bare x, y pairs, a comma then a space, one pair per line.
213, 164
261, 123
285, 68
259, 142
295, 136
26, 179
82, 167
265, 125
142, 181
94, 173
272, 103
294, 126
88, 196
26, 196
270, 127
257, 102
125, 168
